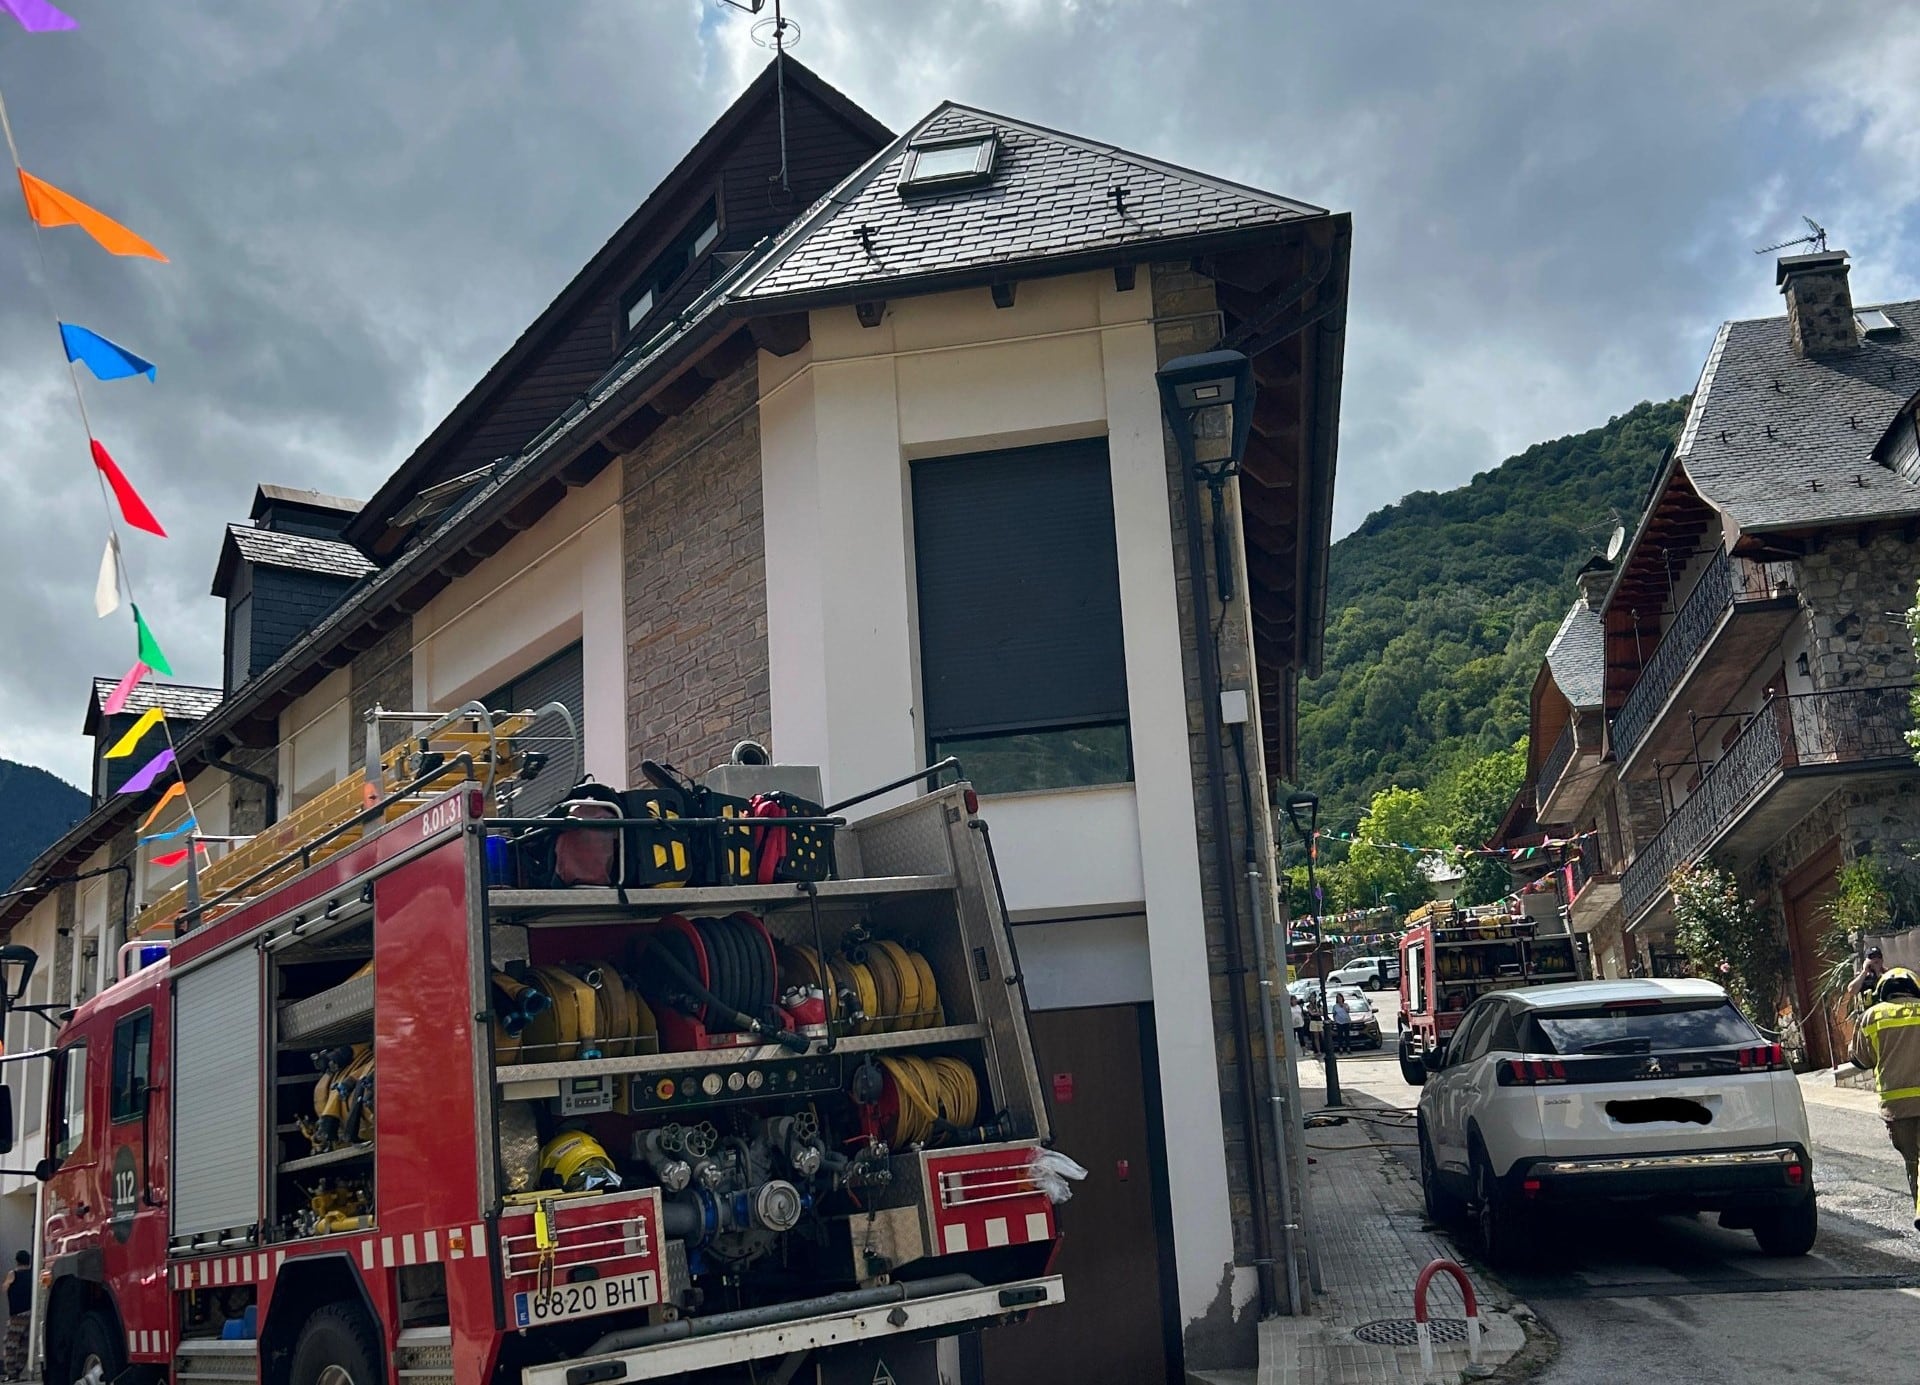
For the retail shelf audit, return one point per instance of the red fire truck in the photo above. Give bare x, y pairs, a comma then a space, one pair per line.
620, 1183
1450, 957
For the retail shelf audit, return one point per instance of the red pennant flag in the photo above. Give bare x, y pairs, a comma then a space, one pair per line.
132, 507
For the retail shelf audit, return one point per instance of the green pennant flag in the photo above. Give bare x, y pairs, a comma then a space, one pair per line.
150, 652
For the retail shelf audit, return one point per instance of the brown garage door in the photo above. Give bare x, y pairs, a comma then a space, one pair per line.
1112, 1328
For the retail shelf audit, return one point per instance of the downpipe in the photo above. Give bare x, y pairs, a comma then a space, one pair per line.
1277, 1105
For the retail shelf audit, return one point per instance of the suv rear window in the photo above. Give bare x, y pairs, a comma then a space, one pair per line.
1642, 1028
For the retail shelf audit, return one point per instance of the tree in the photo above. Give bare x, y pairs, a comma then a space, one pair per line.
1379, 863
1474, 799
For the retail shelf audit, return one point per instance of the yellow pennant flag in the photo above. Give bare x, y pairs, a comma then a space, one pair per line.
177, 791
124, 747
49, 206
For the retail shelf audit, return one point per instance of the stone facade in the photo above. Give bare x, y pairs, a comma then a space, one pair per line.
383, 674
250, 805
695, 583
66, 921
1187, 298
1855, 598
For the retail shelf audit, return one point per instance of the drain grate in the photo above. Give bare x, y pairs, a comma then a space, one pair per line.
1402, 1332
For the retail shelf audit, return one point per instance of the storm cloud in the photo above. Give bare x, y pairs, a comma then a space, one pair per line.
364, 203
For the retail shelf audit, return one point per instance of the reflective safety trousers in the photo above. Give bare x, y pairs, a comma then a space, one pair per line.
1888, 1041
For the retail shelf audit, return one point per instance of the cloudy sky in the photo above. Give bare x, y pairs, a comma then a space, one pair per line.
364, 202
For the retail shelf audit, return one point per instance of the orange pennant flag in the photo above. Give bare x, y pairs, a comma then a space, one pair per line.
177, 791
49, 206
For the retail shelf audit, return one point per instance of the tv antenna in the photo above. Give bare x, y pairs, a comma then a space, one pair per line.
1816, 238
778, 33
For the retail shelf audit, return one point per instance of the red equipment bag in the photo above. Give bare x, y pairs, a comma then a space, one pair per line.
784, 854
577, 853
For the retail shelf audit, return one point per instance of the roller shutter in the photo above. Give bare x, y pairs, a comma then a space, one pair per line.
561, 679
217, 1142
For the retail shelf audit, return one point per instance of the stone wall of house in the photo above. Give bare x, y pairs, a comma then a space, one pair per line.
1856, 597
1187, 298
248, 803
1874, 817
383, 674
695, 583
66, 920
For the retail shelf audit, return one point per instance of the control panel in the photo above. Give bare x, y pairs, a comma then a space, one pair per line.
780, 1077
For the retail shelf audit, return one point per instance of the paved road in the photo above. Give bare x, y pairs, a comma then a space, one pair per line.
1680, 1299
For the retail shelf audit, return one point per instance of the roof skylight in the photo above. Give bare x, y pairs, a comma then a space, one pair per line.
948, 163
1875, 323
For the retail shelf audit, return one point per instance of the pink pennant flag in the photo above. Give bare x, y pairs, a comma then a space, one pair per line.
123, 690
143, 779
37, 16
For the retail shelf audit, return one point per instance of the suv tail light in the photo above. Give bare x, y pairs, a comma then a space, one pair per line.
1763, 1058
1530, 1072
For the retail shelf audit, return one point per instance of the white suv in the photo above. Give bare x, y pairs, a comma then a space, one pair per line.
1368, 973
1654, 1095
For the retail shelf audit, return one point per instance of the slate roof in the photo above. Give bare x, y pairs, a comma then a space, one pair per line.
1827, 414
1050, 195
181, 701
1577, 657
300, 552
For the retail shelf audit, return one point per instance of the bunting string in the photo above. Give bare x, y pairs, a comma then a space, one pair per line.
48, 206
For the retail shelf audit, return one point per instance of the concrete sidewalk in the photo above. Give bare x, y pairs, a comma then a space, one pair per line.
1371, 1230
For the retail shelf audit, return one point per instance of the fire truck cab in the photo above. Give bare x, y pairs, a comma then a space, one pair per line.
651, 1197
1450, 957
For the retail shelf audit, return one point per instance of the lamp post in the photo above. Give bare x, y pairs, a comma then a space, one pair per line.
1303, 811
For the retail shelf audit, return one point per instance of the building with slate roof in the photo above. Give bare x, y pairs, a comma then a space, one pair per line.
850, 443
1749, 660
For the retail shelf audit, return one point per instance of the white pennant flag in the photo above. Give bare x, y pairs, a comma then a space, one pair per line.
106, 590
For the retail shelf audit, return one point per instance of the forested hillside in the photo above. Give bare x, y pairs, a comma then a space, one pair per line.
39, 808
1440, 609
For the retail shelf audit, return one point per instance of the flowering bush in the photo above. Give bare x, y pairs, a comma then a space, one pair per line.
1729, 938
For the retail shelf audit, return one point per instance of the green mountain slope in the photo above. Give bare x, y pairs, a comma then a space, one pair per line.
39, 808
1440, 609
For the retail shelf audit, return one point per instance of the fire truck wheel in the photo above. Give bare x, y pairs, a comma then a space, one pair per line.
338, 1346
97, 1345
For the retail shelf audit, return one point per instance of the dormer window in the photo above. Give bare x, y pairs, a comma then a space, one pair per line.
658, 281
942, 164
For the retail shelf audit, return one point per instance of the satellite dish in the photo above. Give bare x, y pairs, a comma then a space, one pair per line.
1615, 543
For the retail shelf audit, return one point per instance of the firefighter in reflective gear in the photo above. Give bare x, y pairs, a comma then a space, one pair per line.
1888, 1041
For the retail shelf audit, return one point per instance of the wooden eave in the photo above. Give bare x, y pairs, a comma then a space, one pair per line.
1669, 533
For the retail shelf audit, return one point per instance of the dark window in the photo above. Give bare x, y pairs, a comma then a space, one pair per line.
1469, 1040
1646, 1028
239, 641
1022, 667
656, 284
560, 679
70, 1099
132, 1056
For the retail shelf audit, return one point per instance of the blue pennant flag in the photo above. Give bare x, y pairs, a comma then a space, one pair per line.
172, 832
102, 357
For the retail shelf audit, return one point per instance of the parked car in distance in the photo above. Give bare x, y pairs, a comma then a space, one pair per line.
1655, 1096
1368, 973
1363, 1021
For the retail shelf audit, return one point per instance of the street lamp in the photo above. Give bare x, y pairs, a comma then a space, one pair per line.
1208, 403
1303, 811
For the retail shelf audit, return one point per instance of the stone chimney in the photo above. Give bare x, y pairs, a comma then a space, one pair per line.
1819, 303
1594, 580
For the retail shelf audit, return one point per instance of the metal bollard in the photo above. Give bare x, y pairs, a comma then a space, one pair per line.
1420, 1312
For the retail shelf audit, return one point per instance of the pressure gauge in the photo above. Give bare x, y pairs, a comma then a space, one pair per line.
735, 1081
711, 1084
755, 1080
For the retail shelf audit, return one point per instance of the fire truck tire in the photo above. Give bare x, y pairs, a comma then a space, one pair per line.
1411, 1068
338, 1346
96, 1343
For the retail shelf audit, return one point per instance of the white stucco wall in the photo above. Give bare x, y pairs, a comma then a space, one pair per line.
558, 582
841, 424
